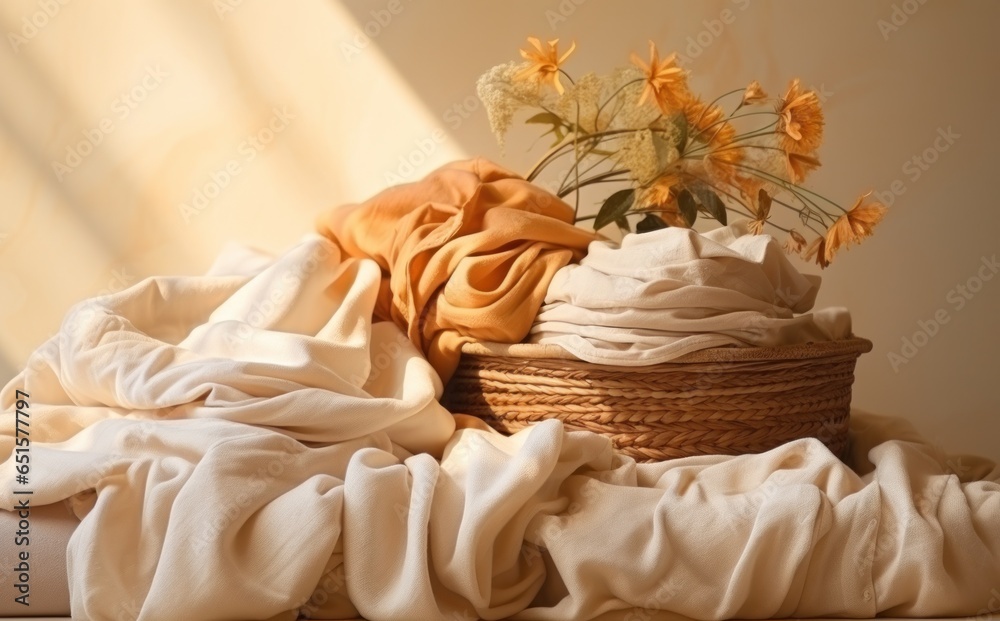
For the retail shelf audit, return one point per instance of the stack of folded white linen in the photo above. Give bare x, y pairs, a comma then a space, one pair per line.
663, 294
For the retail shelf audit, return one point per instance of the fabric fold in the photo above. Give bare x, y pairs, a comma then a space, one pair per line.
272, 453
663, 294
466, 253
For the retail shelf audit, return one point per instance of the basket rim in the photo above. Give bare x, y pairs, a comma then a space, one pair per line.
799, 351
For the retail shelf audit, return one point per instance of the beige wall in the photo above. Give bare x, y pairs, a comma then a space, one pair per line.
168, 98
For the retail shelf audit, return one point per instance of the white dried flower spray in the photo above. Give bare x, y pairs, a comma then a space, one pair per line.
646, 154
581, 101
625, 111
638, 154
503, 95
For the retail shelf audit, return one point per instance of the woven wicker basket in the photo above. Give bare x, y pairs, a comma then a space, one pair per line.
725, 400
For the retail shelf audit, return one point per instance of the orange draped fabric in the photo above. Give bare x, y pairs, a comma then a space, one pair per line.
466, 253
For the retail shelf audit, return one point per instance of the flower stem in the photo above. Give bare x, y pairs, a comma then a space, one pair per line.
803, 188
563, 148
756, 133
559, 150
604, 177
792, 188
709, 107
723, 96
576, 163
600, 161
597, 119
568, 76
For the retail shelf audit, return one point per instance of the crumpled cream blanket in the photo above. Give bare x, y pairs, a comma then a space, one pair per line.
249, 446
663, 294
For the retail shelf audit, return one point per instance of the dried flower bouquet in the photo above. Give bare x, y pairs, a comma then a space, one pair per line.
680, 157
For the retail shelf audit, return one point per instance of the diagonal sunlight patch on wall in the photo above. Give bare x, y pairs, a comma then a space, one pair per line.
139, 139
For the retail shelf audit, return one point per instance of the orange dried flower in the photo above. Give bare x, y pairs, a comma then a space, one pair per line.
661, 192
753, 94
854, 226
661, 198
800, 165
545, 62
795, 242
666, 83
817, 249
800, 120
721, 163
707, 124
761, 211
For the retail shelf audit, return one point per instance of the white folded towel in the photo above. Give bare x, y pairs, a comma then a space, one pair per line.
663, 294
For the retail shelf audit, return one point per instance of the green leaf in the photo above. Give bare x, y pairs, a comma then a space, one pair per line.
711, 202
681, 123
545, 118
623, 224
614, 207
559, 134
549, 118
651, 222
689, 208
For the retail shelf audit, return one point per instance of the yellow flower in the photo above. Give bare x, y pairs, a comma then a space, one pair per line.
817, 249
544, 63
665, 81
800, 120
753, 94
799, 166
761, 211
854, 226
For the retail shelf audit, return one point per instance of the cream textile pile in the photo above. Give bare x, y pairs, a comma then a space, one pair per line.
250, 438
663, 294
